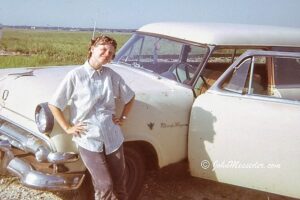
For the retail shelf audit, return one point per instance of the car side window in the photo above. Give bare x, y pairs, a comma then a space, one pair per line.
286, 75
271, 76
287, 72
218, 62
238, 78
256, 82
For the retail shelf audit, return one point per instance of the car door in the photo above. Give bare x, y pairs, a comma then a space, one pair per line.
245, 130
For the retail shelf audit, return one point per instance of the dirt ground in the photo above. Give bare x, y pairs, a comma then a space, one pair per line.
171, 183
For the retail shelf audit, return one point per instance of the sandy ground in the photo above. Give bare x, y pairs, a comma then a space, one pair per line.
167, 184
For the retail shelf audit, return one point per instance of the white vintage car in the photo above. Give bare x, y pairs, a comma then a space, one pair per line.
234, 115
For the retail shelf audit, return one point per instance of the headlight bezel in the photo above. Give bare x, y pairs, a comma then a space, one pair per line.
44, 118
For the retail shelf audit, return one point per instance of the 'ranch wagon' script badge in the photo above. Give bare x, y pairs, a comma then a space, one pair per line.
176, 124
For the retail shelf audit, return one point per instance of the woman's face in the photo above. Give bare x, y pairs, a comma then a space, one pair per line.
103, 53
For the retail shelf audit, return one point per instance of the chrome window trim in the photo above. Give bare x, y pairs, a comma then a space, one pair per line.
251, 75
254, 97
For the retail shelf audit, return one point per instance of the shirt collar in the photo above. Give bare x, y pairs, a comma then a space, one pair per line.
90, 70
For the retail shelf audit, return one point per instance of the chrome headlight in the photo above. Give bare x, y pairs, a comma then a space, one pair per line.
44, 118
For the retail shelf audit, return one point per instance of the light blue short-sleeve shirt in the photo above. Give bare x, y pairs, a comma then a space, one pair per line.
91, 96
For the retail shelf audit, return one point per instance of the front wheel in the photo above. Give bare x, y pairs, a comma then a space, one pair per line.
135, 171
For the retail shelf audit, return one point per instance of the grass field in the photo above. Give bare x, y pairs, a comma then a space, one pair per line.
23, 48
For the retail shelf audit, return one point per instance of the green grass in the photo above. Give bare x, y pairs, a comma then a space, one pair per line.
42, 48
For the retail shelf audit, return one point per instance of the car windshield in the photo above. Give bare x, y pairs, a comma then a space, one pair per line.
174, 60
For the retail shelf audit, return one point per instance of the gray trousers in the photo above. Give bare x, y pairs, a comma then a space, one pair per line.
108, 173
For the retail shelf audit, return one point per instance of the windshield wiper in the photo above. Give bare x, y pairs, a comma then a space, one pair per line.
122, 62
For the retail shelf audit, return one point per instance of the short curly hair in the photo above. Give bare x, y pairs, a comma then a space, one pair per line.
103, 39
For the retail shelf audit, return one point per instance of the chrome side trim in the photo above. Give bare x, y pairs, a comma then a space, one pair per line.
252, 97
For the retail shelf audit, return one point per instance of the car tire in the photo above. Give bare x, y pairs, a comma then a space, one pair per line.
135, 171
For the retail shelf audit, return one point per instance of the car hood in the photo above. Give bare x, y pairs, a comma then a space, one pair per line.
25, 88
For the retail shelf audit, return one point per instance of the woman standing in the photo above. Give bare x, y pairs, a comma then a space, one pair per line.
90, 90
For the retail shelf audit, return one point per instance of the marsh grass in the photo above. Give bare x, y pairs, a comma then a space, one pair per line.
44, 47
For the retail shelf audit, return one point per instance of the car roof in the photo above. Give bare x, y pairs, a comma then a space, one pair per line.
226, 34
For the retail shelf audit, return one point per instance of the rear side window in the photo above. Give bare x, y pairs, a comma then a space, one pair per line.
287, 72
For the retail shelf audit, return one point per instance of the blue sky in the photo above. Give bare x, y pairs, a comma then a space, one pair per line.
135, 13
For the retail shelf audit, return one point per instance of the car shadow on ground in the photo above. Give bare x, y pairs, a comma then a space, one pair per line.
174, 182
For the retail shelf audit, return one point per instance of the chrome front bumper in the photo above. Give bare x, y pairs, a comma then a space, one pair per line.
37, 179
